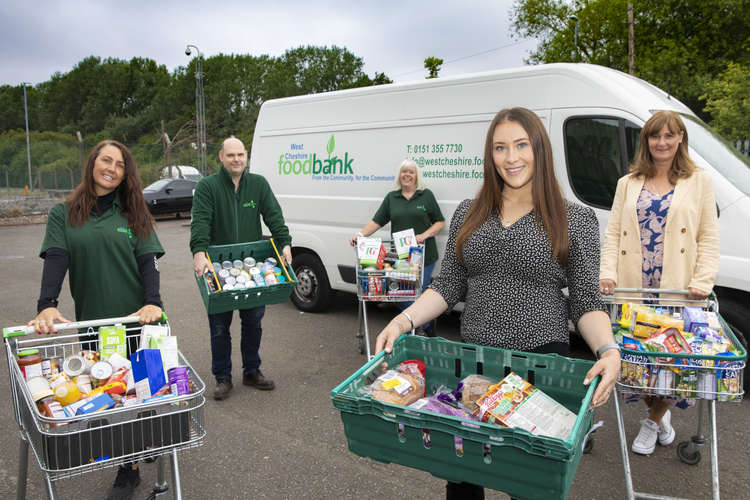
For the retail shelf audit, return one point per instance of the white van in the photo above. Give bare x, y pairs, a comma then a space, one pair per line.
331, 158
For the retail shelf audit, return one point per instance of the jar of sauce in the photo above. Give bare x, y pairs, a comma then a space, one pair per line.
30, 363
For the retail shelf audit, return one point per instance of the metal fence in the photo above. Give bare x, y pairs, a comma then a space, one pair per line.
57, 165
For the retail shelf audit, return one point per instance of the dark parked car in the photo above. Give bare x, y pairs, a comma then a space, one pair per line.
170, 196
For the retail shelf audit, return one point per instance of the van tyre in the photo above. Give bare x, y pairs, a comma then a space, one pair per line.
313, 291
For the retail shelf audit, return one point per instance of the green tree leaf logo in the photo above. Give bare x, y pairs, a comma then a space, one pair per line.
331, 144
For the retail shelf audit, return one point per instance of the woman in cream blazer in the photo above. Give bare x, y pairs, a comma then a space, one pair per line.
674, 245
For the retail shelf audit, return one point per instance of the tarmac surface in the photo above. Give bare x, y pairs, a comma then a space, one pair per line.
290, 442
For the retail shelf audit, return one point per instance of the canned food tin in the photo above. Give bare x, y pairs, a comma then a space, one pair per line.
75, 365
228, 287
227, 264
234, 272
249, 262
271, 279
242, 278
251, 284
39, 388
271, 261
237, 264
223, 274
230, 280
100, 372
217, 267
255, 272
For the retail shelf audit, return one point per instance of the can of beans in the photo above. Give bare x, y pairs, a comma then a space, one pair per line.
100, 373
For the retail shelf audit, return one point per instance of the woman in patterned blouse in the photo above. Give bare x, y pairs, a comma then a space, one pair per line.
662, 233
510, 253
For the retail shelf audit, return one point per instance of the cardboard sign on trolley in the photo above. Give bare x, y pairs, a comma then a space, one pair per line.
370, 252
403, 241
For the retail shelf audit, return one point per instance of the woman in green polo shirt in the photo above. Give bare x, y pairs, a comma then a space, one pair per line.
411, 206
104, 235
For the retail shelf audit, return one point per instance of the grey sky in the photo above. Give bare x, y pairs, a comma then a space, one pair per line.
41, 37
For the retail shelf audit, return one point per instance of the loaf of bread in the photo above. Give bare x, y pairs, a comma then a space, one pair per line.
398, 388
474, 387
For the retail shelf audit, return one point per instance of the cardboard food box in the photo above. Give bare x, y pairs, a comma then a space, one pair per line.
148, 373
403, 241
371, 252
111, 340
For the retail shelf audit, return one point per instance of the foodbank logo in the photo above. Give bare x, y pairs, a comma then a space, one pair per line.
125, 230
313, 165
249, 204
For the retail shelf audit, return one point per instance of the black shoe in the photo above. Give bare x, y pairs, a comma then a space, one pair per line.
257, 380
222, 389
126, 482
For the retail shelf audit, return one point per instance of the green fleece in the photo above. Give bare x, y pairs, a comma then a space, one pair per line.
223, 216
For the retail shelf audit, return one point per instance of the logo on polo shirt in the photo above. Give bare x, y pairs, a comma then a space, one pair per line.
422, 208
125, 230
250, 204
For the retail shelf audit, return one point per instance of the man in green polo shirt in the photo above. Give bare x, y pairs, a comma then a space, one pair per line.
227, 208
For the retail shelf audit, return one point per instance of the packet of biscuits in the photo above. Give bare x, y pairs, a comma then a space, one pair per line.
402, 386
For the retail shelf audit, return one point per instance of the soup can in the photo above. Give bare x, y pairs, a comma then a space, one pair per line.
75, 365
234, 272
249, 262
237, 264
271, 261
227, 264
100, 373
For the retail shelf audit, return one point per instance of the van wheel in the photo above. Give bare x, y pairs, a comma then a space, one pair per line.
737, 317
313, 291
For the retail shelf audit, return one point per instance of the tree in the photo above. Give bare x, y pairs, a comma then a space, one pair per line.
672, 50
432, 65
728, 101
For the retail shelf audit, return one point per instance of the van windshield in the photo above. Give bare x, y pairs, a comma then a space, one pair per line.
719, 153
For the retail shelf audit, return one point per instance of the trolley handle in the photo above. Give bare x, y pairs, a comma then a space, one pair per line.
17, 331
708, 301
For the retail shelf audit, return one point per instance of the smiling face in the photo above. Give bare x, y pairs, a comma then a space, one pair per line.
109, 170
513, 155
408, 177
663, 145
233, 156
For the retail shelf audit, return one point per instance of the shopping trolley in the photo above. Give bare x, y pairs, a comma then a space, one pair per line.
689, 376
67, 447
394, 284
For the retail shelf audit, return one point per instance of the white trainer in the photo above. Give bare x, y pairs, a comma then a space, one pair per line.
645, 441
666, 431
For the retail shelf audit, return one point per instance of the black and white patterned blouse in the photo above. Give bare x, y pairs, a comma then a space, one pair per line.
512, 288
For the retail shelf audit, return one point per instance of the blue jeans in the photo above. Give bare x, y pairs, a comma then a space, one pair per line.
221, 341
427, 280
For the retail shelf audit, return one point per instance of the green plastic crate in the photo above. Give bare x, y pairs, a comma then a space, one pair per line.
245, 298
510, 460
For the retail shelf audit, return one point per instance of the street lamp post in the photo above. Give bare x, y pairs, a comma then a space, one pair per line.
200, 108
28, 148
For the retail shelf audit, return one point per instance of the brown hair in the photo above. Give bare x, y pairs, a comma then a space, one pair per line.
83, 198
549, 204
682, 166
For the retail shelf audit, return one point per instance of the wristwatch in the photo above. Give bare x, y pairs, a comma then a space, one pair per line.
605, 348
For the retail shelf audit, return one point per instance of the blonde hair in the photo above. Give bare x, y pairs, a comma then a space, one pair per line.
410, 163
643, 164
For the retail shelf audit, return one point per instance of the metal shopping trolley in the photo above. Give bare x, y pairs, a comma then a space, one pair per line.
704, 377
71, 446
395, 282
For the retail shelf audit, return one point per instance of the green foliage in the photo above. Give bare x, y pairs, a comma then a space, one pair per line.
728, 101
432, 65
680, 45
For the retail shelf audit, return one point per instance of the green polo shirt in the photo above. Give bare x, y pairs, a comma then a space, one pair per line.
103, 273
419, 213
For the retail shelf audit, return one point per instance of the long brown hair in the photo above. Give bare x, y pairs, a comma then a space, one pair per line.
682, 166
82, 200
549, 204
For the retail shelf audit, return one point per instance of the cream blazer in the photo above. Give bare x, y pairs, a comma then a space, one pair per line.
691, 236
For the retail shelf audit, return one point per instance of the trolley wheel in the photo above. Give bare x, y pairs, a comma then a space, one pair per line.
589, 446
687, 457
